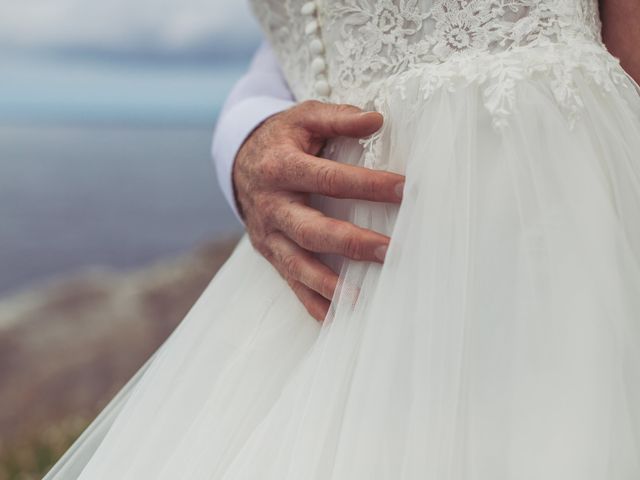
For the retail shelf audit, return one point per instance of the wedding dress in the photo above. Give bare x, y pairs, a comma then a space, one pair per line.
501, 338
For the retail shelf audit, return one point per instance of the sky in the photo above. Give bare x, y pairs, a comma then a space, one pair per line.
142, 61
93, 94
154, 28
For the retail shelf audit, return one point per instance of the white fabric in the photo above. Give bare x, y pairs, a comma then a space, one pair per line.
500, 340
367, 41
260, 93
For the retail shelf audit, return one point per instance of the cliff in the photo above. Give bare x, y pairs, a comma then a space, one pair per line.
66, 347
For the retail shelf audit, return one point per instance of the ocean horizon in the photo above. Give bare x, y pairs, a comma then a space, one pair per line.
106, 164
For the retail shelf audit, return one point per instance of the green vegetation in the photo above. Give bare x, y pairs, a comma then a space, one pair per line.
33, 455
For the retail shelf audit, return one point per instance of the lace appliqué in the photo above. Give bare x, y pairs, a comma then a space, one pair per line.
381, 37
284, 27
498, 76
374, 46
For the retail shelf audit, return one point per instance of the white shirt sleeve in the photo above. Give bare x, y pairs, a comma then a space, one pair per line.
260, 93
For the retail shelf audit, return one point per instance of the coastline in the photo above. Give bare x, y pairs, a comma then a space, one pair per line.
67, 346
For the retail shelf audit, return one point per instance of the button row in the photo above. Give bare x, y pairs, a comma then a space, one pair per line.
316, 46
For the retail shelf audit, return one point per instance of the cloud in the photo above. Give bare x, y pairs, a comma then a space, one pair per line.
138, 27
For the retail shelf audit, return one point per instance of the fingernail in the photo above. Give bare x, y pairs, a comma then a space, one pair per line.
400, 190
381, 252
364, 114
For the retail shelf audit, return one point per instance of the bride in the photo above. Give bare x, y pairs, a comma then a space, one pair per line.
453, 189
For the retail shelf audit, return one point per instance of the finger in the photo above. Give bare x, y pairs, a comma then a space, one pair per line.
309, 174
336, 120
316, 305
316, 232
299, 265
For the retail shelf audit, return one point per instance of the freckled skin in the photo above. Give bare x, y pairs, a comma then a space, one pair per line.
276, 169
274, 172
621, 32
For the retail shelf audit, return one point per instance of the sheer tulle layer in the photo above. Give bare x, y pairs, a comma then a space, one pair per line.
499, 341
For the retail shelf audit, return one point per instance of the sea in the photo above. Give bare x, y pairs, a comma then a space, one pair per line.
106, 163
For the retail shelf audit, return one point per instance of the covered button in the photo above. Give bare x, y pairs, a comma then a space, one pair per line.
312, 27
308, 8
318, 65
322, 88
316, 46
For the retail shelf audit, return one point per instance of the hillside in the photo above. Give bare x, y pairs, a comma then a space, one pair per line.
66, 347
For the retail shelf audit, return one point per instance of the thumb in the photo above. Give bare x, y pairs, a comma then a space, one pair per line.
340, 120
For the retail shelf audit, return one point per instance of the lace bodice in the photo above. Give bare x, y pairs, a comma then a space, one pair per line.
347, 50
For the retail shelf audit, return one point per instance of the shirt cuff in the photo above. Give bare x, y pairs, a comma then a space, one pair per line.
232, 130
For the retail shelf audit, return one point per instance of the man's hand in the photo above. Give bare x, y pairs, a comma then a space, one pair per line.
275, 170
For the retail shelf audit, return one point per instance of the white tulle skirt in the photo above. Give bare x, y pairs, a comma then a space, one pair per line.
499, 341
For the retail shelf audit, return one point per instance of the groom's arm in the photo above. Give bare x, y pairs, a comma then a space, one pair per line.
260, 93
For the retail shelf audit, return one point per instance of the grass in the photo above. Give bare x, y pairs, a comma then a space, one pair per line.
33, 455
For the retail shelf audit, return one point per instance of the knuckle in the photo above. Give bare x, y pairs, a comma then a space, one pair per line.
288, 157
269, 213
328, 179
263, 205
271, 126
301, 233
310, 104
337, 230
269, 169
352, 246
333, 226
374, 187
291, 265
327, 286
345, 108
307, 112
369, 184
298, 170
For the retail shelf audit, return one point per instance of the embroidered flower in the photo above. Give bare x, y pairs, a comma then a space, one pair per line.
388, 19
457, 32
377, 33
372, 45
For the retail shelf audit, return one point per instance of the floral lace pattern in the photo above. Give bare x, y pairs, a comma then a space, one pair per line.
381, 37
498, 76
372, 45
284, 25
